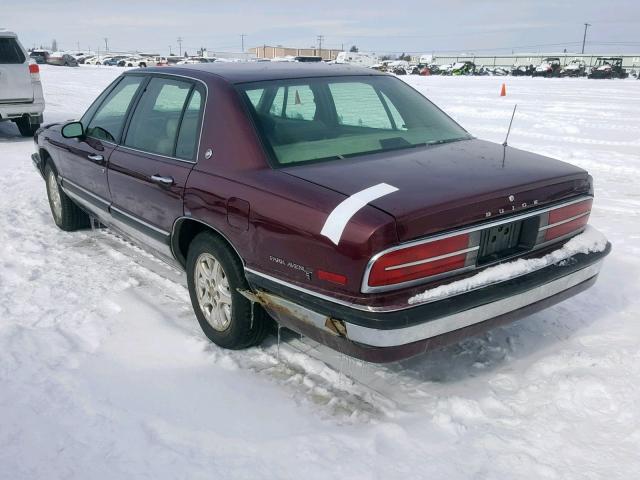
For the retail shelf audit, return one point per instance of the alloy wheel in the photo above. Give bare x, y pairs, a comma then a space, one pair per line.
54, 196
213, 292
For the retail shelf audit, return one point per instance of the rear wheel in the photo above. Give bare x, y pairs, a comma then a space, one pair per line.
27, 129
66, 214
214, 276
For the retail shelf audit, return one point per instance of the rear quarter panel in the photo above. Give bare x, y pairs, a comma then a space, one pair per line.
286, 214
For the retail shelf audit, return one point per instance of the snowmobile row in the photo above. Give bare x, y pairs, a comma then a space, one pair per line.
550, 67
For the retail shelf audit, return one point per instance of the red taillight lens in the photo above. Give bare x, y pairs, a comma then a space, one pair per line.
568, 219
34, 68
420, 261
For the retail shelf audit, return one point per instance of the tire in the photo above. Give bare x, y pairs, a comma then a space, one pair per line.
214, 276
143, 65
26, 128
66, 214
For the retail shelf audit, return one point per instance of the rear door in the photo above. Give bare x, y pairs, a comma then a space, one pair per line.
15, 79
149, 170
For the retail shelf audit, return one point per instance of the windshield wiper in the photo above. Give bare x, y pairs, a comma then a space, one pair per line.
447, 140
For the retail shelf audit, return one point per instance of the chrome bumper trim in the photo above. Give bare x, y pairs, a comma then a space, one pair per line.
402, 336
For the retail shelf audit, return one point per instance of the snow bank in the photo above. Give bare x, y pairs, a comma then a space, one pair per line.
591, 240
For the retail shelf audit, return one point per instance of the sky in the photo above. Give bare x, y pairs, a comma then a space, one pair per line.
413, 26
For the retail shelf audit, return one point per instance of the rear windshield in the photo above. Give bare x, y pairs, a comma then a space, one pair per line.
10, 51
323, 119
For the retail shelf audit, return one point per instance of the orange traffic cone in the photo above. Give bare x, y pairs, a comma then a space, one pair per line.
503, 90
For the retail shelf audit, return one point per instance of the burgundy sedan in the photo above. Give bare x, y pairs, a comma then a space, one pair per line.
328, 198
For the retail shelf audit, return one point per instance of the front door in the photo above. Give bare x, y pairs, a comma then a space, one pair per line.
148, 172
83, 161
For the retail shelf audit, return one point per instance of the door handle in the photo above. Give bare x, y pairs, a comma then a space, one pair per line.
99, 159
163, 181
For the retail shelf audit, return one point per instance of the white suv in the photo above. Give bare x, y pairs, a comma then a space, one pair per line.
21, 99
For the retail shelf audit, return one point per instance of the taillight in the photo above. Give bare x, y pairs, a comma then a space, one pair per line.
34, 71
565, 220
420, 261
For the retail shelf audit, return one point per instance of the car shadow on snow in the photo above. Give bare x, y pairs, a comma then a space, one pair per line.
524, 341
9, 133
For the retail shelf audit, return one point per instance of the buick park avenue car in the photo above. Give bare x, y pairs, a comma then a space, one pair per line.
324, 197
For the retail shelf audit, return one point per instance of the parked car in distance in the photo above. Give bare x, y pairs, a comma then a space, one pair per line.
325, 197
549, 67
195, 60
94, 60
21, 98
360, 59
39, 56
62, 59
307, 59
157, 61
134, 61
608, 68
114, 60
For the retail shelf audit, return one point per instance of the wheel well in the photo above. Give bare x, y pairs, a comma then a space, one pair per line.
46, 160
186, 230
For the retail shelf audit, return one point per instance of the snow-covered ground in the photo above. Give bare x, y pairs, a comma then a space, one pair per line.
104, 372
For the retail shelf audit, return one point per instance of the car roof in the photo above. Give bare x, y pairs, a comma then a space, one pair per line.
7, 33
243, 72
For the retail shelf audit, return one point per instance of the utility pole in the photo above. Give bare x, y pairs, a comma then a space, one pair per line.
320, 39
180, 45
584, 39
242, 35
170, 52
106, 44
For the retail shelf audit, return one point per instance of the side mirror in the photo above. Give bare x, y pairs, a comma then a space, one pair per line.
73, 130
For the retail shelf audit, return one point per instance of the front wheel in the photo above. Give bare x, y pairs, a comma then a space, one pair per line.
66, 214
214, 276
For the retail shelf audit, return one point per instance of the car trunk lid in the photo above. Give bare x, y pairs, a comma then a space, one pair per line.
451, 185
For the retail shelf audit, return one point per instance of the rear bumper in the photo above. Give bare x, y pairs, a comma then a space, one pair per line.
33, 109
389, 336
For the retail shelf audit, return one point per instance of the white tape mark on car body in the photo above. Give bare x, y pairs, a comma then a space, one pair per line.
340, 216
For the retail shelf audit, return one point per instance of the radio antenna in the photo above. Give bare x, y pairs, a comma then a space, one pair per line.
504, 144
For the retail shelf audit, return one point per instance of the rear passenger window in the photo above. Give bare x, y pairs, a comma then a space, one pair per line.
296, 102
109, 119
155, 122
301, 103
190, 128
255, 96
358, 105
10, 51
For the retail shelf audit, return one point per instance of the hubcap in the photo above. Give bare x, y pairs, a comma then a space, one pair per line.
212, 289
54, 196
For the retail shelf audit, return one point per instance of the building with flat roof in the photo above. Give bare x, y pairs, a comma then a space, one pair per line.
267, 51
